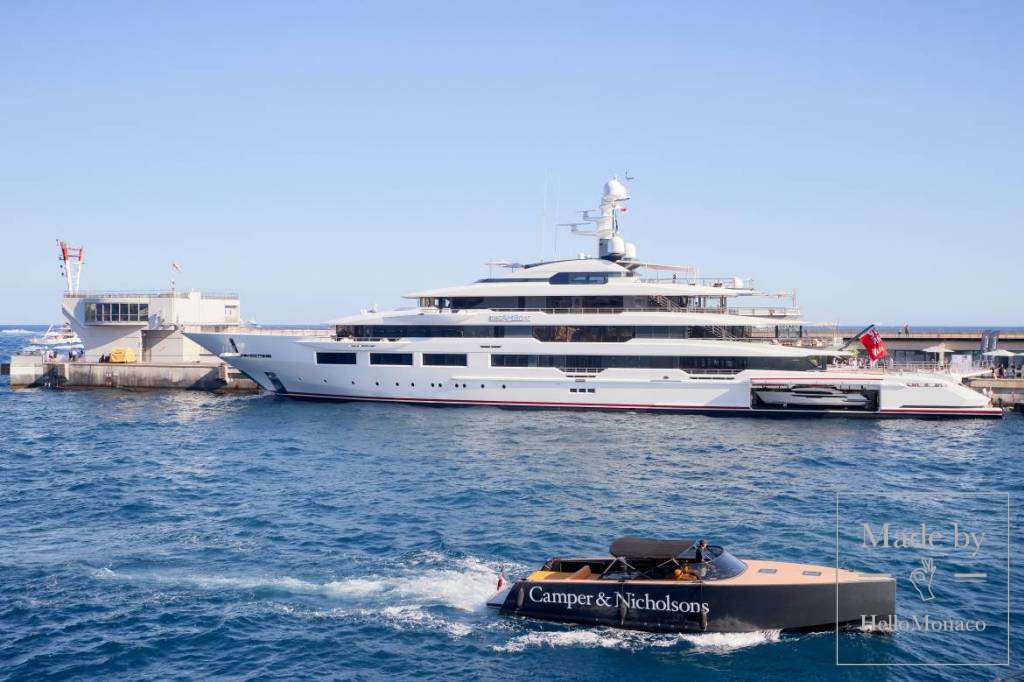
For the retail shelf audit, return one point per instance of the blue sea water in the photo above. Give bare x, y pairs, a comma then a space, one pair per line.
180, 535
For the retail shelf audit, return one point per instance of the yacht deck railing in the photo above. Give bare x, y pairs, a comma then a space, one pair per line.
747, 311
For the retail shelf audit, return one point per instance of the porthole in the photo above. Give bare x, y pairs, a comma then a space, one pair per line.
481, 385
413, 384
503, 385
376, 383
396, 383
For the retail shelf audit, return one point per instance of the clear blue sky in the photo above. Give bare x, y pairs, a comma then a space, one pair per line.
320, 157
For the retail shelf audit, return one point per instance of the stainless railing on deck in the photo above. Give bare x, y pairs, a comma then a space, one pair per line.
748, 311
150, 294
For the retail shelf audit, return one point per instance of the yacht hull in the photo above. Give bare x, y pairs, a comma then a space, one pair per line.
288, 366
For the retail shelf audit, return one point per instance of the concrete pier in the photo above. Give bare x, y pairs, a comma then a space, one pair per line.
957, 340
1004, 392
32, 371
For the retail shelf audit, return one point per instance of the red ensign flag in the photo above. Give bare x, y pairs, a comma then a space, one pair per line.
872, 342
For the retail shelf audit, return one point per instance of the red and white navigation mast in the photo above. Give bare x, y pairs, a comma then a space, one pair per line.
72, 258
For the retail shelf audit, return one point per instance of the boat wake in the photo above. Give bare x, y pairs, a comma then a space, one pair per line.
430, 593
420, 595
465, 585
611, 638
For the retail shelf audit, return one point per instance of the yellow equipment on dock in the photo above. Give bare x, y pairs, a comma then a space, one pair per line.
123, 355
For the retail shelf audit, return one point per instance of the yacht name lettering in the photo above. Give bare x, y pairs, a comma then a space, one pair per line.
922, 538
640, 602
508, 318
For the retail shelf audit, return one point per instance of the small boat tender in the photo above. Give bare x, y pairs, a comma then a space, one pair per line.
812, 396
687, 586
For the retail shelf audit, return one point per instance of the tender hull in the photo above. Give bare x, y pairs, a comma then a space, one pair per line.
707, 607
785, 398
287, 365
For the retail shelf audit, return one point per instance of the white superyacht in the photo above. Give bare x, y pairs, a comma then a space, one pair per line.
591, 332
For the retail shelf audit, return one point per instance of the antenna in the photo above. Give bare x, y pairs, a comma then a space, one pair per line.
175, 269
72, 258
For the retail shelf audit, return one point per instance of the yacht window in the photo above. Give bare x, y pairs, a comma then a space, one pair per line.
573, 362
510, 360
579, 278
445, 359
391, 358
335, 358
591, 334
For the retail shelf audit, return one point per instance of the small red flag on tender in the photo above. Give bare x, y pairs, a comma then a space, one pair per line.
872, 342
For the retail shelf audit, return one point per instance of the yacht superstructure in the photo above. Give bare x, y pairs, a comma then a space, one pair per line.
591, 332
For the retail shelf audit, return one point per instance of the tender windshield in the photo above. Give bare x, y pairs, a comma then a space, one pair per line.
719, 565
714, 563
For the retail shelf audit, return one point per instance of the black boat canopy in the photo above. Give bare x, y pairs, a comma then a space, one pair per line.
629, 547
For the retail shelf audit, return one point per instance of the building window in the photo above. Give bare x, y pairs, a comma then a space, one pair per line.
335, 358
445, 359
116, 312
391, 358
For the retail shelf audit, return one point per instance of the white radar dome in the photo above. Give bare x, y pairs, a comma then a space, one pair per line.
615, 190
630, 250
617, 246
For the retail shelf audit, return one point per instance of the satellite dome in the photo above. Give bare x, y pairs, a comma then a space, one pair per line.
615, 190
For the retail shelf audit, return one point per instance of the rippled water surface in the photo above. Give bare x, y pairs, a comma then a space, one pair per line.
183, 535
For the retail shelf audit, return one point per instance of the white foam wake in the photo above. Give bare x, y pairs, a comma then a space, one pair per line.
730, 641
610, 638
17, 332
465, 586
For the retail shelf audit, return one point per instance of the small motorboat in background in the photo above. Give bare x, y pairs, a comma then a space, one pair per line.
688, 586
58, 339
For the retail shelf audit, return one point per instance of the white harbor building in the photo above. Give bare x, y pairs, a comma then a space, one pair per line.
149, 323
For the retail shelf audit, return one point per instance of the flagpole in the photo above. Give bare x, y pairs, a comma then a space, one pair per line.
857, 336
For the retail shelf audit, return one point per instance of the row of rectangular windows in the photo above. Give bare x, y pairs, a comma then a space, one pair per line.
116, 312
655, 362
584, 361
577, 334
429, 359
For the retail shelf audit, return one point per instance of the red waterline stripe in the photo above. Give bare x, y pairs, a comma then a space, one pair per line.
816, 379
982, 410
